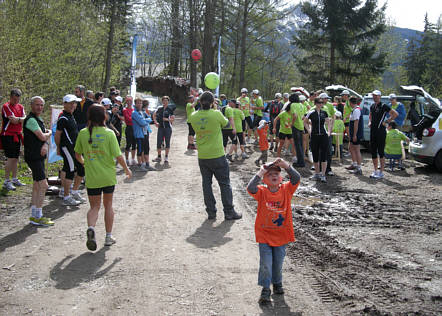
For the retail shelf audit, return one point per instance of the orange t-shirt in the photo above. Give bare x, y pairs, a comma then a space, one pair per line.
274, 223
263, 142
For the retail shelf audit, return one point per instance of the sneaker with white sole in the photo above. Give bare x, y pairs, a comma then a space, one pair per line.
42, 221
16, 182
70, 201
158, 159
77, 197
380, 175
166, 160
316, 176
323, 179
109, 241
244, 156
374, 175
9, 186
236, 156
91, 243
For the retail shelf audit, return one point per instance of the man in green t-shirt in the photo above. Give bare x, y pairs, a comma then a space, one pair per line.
244, 101
229, 132
190, 108
298, 112
207, 124
257, 105
238, 117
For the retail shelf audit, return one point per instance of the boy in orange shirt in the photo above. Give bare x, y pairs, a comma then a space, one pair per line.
263, 142
273, 224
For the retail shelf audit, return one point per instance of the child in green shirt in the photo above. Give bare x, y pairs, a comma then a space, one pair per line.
338, 128
393, 145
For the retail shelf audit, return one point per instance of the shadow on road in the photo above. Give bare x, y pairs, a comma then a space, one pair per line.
84, 268
278, 307
210, 236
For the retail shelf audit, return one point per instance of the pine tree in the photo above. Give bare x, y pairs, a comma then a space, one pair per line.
338, 41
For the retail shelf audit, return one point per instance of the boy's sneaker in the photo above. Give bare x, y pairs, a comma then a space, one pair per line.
316, 176
380, 175
42, 221
109, 241
278, 289
17, 183
330, 173
91, 244
229, 158
265, 296
323, 179
244, 156
70, 201
158, 159
9, 186
77, 197
374, 175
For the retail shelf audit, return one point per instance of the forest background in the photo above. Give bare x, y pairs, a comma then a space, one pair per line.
47, 47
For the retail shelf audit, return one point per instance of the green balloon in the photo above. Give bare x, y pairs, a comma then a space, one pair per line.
211, 80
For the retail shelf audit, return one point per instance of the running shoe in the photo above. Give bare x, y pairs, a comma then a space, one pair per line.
158, 159
70, 201
374, 175
351, 167
244, 156
42, 221
380, 175
141, 168
109, 241
294, 160
330, 173
91, 244
278, 289
265, 296
236, 156
316, 176
9, 186
166, 159
17, 183
323, 179
229, 158
77, 197
356, 171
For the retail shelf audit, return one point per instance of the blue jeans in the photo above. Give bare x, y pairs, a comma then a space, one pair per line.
270, 264
393, 158
219, 168
297, 138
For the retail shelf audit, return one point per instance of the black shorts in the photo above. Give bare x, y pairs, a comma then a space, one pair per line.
70, 164
228, 133
166, 134
347, 124
98, 191
239, 136
143, 145
357, 142
11, 148
256, 120
377, 143
38, 169
191, 130
283, 136
249, 122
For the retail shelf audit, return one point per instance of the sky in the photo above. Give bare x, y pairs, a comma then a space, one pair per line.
410, 13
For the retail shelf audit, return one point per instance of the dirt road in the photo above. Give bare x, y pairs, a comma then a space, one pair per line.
363, 248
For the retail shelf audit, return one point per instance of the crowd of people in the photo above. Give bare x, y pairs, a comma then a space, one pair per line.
89, 132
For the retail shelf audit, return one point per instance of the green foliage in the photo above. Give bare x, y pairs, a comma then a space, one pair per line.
46, 51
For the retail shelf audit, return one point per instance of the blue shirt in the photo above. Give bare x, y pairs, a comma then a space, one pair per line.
401, 114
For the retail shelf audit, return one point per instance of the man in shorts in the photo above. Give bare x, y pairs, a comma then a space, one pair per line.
36, 146
65, 137
356, 133
257, 105
378, 133
229, 132
274, 110
190, 108
13, 115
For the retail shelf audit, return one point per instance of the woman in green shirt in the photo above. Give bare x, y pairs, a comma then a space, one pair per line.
99, 147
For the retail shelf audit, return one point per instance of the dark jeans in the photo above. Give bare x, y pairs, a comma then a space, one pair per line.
219, 168
297, 138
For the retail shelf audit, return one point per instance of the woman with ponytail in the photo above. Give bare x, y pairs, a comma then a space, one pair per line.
99, 147
208, 124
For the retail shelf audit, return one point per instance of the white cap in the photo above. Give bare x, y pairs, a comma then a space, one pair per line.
106, 101
392, 96
345, 92
286, 95
376, 92
255, 91
200, 91
338, 114
244, 90
302, 98
323, 95
278, 95
119, 99
70, 98
262, 123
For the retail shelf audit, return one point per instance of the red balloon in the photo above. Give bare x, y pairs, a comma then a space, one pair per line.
196, 54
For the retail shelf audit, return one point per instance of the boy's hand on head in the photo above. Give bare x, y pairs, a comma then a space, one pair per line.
281, 163
262, 171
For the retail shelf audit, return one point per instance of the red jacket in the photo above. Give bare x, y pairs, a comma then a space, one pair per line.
9, 128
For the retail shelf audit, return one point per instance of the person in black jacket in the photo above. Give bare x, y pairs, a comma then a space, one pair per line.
80, 113
36, 147
274, 109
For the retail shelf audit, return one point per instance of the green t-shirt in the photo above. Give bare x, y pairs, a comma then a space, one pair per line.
238, 117
338, 127
330, 109
347, 111
299, 109
32, 124
207, 125
307, 106
99, 157
245, 105
393, 142
286, 122
189, 110
259, 103
228, 113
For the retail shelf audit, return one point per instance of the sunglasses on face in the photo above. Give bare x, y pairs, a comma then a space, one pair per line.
319, 102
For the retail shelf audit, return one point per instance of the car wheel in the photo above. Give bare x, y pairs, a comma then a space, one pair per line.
438, 161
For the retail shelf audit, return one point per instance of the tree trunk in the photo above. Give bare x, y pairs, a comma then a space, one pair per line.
192, 41
242, 69
175, 47
332, 63
208, 48
110, 45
